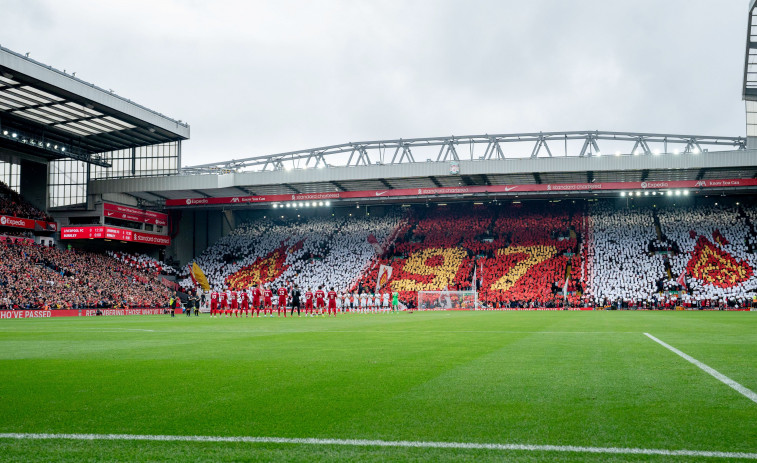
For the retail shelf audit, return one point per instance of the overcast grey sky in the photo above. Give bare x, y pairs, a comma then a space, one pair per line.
256, 78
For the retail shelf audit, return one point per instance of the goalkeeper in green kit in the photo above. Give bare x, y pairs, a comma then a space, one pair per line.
395, 301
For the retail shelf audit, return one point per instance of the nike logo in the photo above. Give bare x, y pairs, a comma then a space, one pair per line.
379, 193
508, 188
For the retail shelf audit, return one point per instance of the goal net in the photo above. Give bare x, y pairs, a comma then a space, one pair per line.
447, 300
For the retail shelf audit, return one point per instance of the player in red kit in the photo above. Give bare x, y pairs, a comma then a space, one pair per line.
257, 296
246, 302
234, 303
213, 303
320, 303
282, 301
223, 303
309, 302
268, 301
332, 302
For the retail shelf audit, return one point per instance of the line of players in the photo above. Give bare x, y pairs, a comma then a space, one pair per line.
251, 302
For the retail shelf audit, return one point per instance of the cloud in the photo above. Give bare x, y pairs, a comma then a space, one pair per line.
255, 78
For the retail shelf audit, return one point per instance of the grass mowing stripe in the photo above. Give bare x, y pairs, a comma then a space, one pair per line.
748, 393
384, 443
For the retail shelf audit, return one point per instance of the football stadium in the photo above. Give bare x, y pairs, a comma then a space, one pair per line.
580, 295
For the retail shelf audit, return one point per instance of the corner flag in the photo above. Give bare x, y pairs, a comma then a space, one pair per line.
198, 277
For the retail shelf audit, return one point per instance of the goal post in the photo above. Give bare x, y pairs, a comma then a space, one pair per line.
447, 300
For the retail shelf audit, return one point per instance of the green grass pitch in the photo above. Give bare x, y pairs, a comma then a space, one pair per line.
545, 378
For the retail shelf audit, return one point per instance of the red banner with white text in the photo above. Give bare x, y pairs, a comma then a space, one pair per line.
117, 211
75, 313
466, 190
28, 224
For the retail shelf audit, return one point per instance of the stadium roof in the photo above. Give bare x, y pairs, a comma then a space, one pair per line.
53, 105
587, 172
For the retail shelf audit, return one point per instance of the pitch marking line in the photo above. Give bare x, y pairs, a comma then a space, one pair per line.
385, 443
748, 393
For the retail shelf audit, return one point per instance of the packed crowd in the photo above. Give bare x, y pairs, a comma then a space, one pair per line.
540, 255
513, 257
318, 251
715, 256
622, 267
14, 205
39, 277
143, 263
698, 257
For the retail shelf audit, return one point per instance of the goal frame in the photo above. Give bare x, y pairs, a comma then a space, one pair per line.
448, 300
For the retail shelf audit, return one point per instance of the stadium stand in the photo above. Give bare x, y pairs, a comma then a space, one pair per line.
143, 262
318, 251
637, 256
14, 205
621, 266
40, 277
519, 255
712, 245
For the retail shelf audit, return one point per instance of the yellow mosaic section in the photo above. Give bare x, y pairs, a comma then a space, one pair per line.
443, 275
535, 256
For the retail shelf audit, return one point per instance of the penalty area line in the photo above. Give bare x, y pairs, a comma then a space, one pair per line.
748, 393
384, 443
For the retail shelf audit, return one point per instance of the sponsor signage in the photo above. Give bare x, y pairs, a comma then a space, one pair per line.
117, 211
75, 313
112, 233
467, 190
17, 222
